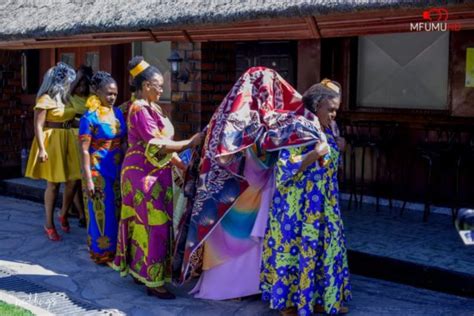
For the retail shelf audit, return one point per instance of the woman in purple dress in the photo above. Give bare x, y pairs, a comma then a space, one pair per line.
144, 245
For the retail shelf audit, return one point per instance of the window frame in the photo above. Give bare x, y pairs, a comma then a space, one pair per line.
353, 105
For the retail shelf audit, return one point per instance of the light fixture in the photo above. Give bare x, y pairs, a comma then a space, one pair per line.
175, 61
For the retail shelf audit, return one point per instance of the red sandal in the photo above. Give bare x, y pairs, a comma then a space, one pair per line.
52, 234
64, 224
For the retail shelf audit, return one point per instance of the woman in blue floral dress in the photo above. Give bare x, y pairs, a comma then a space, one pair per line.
102, 133
304, 262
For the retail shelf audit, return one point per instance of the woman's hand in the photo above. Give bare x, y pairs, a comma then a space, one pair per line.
43, 155
321, 149
175, 160
196, 139
90, 188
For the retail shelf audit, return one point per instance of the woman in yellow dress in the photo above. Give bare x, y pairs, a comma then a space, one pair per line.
54, 154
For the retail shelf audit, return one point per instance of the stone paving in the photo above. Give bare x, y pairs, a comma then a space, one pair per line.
64, 267
385, 233
406, 237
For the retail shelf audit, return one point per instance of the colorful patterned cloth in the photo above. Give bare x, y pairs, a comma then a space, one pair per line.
145, 230
262, 109
236, 242
106, 130
304, 258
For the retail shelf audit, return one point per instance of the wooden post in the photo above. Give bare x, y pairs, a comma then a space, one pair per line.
47, 60
309, 64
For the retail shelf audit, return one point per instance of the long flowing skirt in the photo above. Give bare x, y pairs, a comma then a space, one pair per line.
305, 259
145, 230
103, 211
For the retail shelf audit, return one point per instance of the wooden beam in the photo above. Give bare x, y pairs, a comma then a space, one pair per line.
253, 23
381, 29
186, 35
153, 36
252, 29
313, 26
60, 44
386, 21
294, 35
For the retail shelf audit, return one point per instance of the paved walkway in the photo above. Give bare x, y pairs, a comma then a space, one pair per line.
64, 269
384, 233
407, 238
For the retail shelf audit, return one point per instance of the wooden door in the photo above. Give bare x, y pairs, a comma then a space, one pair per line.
98, 57
280, 56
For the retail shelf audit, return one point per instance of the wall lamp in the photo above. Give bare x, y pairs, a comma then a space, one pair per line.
177, 75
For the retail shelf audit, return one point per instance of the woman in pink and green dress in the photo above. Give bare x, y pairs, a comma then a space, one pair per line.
144, 244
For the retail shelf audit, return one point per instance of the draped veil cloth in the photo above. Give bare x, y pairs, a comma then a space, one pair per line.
259, 116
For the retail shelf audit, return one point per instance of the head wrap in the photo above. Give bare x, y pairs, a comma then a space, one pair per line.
330, 85
139, 68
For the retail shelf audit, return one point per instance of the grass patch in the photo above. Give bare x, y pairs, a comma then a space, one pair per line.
12, 310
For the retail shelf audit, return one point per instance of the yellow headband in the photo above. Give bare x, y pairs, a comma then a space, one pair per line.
327, 83
139, 68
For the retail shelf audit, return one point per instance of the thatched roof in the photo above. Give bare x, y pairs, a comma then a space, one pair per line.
23, 19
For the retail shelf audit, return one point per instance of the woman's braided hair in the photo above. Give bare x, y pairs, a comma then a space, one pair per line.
100, 79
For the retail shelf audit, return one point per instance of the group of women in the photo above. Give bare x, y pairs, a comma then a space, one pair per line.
257, 205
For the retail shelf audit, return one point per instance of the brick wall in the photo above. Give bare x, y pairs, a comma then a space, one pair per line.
217, 76
212, 75
12, 138
186, 98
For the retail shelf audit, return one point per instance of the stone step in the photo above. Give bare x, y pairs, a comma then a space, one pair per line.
27, 189
411, 273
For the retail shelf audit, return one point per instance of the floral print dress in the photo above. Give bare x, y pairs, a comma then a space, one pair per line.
304, 261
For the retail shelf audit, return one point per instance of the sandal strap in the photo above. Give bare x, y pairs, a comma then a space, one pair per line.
63, 220
52, 233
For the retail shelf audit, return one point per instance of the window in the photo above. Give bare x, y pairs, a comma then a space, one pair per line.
408, 70
69, 58
92, 59
156, 55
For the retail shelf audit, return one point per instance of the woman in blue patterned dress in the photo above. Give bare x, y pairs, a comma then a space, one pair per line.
102, 133
304, 262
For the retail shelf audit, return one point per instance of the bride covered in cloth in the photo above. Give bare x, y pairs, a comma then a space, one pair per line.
222, 231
